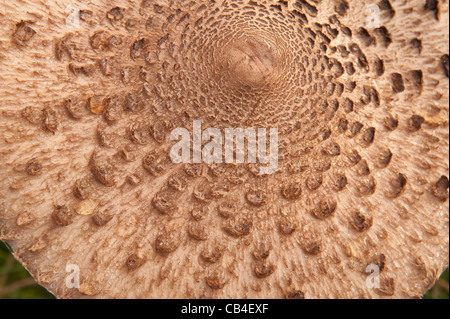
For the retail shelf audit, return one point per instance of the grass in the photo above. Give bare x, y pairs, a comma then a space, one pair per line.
16, 283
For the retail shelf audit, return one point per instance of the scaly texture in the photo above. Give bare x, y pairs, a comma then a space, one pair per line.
362, 112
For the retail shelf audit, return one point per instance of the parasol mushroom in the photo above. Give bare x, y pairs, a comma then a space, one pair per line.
93, 206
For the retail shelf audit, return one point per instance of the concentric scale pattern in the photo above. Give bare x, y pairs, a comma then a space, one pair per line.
360, 101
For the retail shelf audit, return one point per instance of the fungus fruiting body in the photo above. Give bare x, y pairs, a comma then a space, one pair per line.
357, 206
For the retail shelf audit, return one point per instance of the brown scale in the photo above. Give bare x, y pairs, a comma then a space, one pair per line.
350, 135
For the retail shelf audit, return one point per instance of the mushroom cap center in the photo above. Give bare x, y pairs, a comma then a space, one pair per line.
251, 61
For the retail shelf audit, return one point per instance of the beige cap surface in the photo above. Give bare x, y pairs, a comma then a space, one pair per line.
358, 90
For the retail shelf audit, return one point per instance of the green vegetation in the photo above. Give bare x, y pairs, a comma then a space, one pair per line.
440, 289
16, 283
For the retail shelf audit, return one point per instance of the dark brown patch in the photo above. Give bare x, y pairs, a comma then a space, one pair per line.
211, 256
369, 135
198, 232
105, 66
341, 7
86, 70
379, 67
348, 105
385, 5
157, 131
256, 197
416, 44
384, 36
152, 165
445, 64
433, 5
238, 228
115, 14
138, 134
261, 253
365, 37
417, 78
379, 261
398, 184
166, 244
390, 123
332, 149
137, 48
51, 121
99, 40
297, 294
397, 83
367, 186
385, 158
132, 103
291, 191
325, 209
33, 115
312, 248
134, 262
214, 282
74, 109
193, 170
340, 182
286, 227
360, 222
415, 123
263, 269
387, 287
112, 109
101, 219
81, 188
86, 16
23, 33
440, 189
343, 125
363, 168
313, 182
198, 214
355, 128
102, 171
163, 204
62, 215
33, 167
354, 157
63, 48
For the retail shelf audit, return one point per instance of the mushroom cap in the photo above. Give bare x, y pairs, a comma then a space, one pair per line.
359, 93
